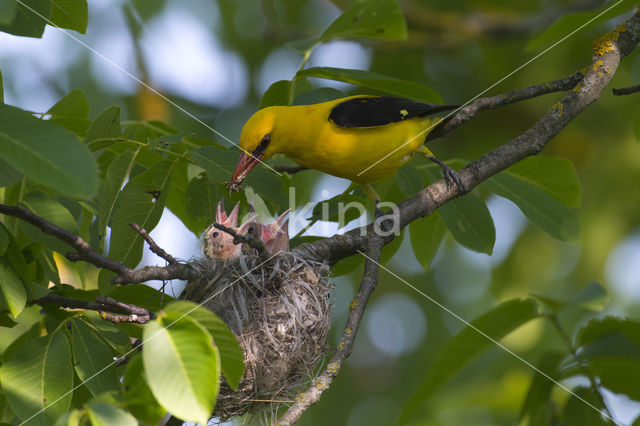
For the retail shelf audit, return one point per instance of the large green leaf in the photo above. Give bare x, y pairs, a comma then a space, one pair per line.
371, 80
8, 175
377, 19
116, 176
38, 378
182, 366
201, 199
545, 211
8, 10
599, 328
555, 176
47, 153
141, 201
71, 14
469, 221
93, 359
409, 180
230, 352
467, 345
73, 105
618, 373
137, 396
30, 18
12, 292
104, 129
105, 414
276, 94
426, 236
578, 413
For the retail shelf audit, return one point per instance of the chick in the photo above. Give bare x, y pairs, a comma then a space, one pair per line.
217, 244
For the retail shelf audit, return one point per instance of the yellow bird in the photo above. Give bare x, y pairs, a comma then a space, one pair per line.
361, 138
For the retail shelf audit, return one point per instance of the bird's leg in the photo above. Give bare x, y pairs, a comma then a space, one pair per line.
450, 175
386, 224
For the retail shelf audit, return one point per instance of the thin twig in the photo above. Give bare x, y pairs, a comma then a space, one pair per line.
626, 90
152, 244
345, 346
108, 307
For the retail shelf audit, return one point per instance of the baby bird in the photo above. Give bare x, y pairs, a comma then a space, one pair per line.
217, 244
275, 235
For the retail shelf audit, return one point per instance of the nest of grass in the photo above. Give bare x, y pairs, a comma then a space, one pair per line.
280, 314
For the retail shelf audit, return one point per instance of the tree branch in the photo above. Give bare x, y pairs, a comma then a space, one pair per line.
107, 306
345, 346
152, 244
252, 241
626, 90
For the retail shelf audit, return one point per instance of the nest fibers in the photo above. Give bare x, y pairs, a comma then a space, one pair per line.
281, 315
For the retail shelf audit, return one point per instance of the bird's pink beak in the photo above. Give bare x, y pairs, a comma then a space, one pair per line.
246, 163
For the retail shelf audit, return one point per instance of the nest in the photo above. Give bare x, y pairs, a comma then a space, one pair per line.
280, 314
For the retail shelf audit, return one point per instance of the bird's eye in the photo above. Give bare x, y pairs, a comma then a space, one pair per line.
262, 146
250, 230
215, 234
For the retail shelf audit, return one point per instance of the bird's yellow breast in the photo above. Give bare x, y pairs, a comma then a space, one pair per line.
369, 154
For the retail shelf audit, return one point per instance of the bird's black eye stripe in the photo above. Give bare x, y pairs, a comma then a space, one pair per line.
262, 147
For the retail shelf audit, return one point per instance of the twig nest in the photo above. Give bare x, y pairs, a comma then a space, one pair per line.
280, 313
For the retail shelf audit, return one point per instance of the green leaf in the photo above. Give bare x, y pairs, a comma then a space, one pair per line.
12, 292
8, 175
467, 345
71, 14
38, 378
117, 174
620, 374
374, 19
137, 396
555, 176
30, 18
426, 236
231, 355
47, 153
592, 297
318, 95
5, 239
182, 366
599, 328
543, 210
469, 221
105, 126
8, 12
537, 408
201, 199
342, 208
409, 180
104, 414
73, 105
570, 22
371, 80
390, 249
141, 201
276, 94
577, 413
93, 359
110, 332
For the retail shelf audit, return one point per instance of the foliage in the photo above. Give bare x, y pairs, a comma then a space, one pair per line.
93, 176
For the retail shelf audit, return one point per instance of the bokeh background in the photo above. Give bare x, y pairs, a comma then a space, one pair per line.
216, 58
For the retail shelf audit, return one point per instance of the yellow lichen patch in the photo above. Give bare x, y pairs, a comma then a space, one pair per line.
301, 396
341, 345
600, 73
321, 386
606, 43
333, 367
353, 304
578, 87
596, 64
558, 108
347, 331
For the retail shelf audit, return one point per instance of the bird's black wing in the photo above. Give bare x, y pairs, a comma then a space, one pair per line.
378, 111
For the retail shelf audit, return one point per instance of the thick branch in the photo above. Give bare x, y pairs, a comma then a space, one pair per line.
107, 306
345, 346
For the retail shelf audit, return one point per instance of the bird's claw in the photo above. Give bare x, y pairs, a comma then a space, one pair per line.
451, 177
385, 224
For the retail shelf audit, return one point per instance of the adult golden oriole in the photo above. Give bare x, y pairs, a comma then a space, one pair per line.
361, 138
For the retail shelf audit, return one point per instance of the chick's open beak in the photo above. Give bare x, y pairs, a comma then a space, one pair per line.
245, 164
